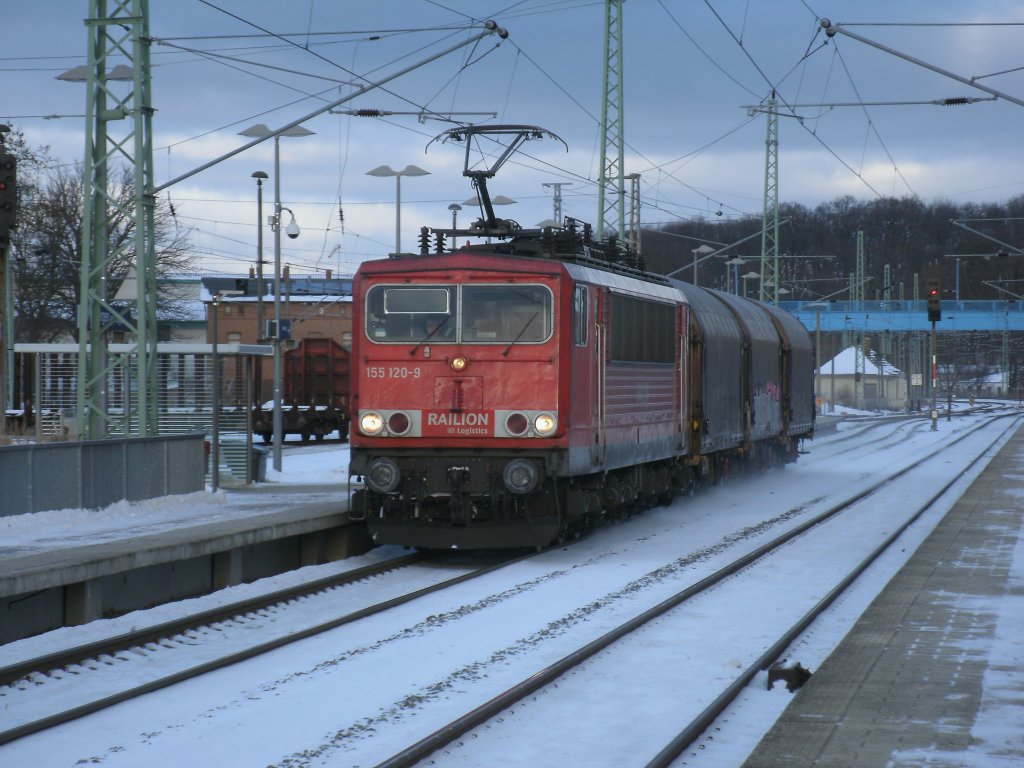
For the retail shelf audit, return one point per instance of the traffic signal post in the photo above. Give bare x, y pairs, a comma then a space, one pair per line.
934, 315
8, 214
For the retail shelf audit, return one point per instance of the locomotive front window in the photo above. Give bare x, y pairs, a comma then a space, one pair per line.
505, 314
411, 313
471, 314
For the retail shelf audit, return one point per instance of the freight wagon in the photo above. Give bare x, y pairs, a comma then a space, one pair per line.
315, 393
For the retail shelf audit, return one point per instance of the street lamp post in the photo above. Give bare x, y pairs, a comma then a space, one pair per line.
409, 170
732, 264
749, 276
293, 231
260, 329
454, 208
702, 250
215, 396
215, 403
817, 350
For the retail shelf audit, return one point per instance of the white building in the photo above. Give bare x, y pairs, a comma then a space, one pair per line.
857, 380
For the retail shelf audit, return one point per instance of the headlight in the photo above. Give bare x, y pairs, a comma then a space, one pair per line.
545, 424
383, 475
525, 424
371, 423
520, 476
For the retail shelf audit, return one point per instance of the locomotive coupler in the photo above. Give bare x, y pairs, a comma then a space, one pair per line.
458, 477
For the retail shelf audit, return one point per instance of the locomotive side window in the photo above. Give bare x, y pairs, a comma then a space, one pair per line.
506, 314
642, 331
404, 313
579, 316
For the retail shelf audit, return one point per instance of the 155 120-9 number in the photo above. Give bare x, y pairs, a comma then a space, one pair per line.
392, 372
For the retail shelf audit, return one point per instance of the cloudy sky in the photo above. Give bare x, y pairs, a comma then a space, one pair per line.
691, 69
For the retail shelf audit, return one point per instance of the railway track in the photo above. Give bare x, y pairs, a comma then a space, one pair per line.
538, 683
694, 729
888, 433
109, 656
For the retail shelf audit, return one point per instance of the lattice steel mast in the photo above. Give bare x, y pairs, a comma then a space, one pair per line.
770, 231
611, 188
121, 31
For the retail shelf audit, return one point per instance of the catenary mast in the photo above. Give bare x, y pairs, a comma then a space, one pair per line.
118, 127
611, 190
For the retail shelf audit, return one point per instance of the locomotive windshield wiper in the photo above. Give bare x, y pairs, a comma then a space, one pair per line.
520, 334
429, 336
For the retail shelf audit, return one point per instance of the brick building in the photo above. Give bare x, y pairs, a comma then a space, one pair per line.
311, 308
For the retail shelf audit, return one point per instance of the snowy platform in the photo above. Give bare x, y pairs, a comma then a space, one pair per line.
934, 667
74, 565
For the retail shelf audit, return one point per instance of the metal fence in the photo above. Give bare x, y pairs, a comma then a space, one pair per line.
46, 398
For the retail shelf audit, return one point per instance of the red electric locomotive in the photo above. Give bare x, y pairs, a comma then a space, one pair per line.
513, 394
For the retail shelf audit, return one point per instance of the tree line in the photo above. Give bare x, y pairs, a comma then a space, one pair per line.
915, 239
908, 235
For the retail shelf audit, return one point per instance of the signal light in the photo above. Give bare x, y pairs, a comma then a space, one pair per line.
8, 194
934, 302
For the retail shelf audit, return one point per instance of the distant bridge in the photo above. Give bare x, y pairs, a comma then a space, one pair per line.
905, 316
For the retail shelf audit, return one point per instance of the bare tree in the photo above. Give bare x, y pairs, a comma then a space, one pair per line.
47, 249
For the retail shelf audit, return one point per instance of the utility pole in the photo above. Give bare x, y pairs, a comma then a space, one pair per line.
858, 296
8, 220
934, 315
884, 347
611, 187
935, 384
633, 231
556, 186
770, 276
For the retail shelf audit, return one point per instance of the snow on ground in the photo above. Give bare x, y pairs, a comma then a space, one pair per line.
320, 472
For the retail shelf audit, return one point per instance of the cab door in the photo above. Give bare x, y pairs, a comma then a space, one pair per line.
587, 436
